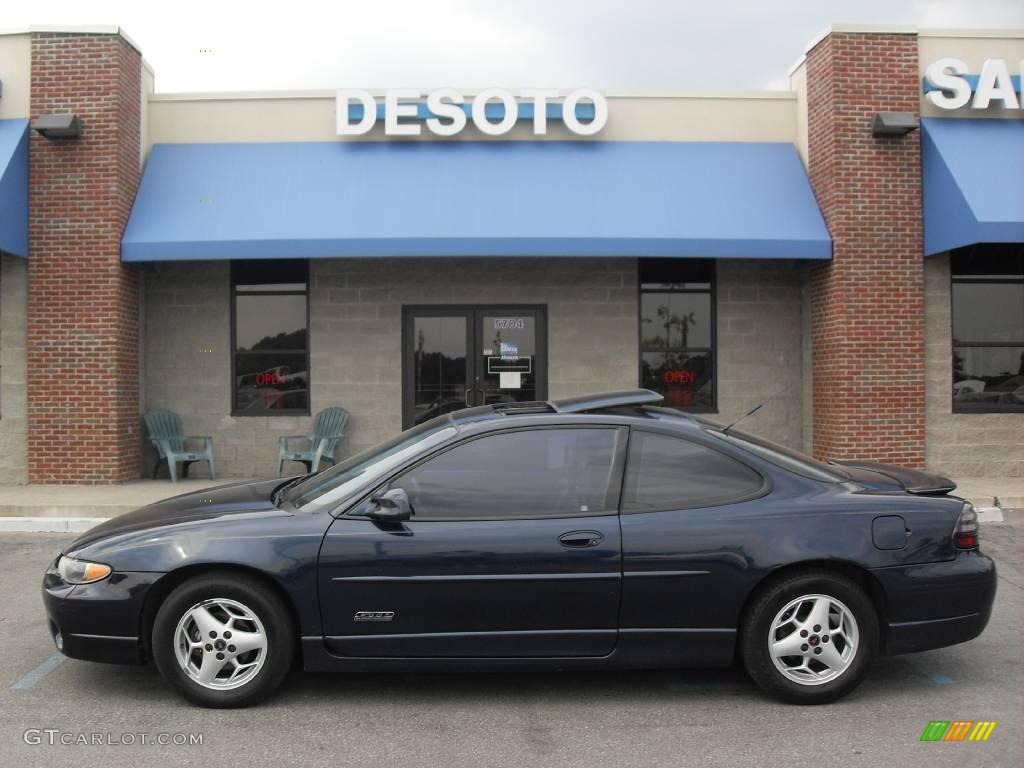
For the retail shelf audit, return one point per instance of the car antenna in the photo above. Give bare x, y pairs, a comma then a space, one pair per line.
751, 412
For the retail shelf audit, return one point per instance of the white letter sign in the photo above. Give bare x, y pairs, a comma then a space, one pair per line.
447, 112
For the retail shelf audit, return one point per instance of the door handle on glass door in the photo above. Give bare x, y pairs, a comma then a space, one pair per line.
580, 539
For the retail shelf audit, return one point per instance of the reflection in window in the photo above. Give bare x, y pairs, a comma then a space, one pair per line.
988, 328
666, 472
270, 337
533, 473
677, 332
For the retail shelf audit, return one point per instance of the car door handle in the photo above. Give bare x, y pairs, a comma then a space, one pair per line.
580, 539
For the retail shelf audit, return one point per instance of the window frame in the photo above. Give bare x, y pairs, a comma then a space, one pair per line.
762, 491
712, 292
618, 475
966, 279
232, 296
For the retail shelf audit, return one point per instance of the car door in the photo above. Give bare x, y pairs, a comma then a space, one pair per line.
689, 511
513, 550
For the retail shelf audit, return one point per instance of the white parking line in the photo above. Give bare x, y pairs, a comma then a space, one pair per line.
37, 674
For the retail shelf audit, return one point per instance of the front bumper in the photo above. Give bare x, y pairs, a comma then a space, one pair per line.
100, 621
934, 605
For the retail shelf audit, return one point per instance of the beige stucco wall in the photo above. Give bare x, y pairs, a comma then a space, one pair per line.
961, 444
16, 74
13, 400
355, 340
767, 116
972, 48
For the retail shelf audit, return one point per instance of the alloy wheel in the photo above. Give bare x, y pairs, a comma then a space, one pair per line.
221, 644
813, 639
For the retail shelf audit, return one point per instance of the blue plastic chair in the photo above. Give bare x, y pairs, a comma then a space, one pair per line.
165, 433
328, 432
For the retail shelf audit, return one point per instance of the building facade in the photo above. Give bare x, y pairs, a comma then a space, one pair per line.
848, 252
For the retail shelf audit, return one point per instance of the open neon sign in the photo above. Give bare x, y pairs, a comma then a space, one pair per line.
679, 377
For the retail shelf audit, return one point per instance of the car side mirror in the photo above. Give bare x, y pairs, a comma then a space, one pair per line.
391, 506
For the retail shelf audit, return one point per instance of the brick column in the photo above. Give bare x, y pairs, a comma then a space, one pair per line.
83, 303
867, 305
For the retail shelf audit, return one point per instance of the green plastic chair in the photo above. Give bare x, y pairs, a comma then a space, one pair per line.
165, 433
328, 431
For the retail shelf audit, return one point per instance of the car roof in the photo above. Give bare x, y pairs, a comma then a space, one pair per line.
621, 406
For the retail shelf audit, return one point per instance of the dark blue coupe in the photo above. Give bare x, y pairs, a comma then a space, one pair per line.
599, 531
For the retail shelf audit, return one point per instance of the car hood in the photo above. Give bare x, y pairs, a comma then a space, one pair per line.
209, 503
886, 477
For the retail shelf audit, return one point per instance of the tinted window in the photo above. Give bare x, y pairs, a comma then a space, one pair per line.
671, 473
988, 328
677, 305
536, 473
271, 350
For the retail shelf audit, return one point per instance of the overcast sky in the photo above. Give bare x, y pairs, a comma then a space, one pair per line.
635, 44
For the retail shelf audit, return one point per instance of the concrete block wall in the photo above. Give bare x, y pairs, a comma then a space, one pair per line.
760, 347
13, 370
355, 337
976, 445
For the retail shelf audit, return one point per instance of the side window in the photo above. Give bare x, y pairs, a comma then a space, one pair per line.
532, 473
665, 472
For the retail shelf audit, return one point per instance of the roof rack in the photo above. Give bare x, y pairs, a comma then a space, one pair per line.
604, 400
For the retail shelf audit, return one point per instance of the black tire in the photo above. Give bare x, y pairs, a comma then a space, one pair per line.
762, 613
262, 602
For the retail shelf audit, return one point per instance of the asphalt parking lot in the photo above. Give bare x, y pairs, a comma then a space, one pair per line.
678, 718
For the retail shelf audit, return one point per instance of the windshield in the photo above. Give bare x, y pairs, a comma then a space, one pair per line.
334, 484
784, 457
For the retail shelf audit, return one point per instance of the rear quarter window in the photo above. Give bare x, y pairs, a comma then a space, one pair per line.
665, 472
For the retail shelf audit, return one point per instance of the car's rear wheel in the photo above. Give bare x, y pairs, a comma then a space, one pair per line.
810, 638
223, 640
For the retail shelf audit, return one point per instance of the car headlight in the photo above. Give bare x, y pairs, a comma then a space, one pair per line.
74, 571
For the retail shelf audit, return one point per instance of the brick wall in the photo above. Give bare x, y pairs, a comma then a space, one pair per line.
83, 304
867, 305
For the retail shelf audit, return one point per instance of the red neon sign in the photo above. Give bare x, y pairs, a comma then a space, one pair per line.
679, 377
268, 379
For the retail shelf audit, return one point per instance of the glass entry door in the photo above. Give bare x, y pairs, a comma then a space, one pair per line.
458, 357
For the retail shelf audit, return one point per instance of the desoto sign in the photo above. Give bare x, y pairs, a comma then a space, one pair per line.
948, 85
493, 111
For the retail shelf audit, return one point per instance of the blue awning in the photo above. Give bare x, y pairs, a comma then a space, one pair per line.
14, 186
497, 198
973, 177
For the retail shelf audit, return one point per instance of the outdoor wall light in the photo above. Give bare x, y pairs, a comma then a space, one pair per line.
894, 124
66, 126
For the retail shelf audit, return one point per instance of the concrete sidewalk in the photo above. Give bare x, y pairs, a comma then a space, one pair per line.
59, 501
1006, 492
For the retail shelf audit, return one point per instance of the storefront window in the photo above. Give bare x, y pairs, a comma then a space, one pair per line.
270, 339
677, 333
988, 328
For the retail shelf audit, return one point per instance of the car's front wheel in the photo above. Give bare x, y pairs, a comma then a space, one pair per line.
810, 638
223, 640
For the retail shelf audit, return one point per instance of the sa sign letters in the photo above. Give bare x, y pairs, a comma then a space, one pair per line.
949, 78
449, 111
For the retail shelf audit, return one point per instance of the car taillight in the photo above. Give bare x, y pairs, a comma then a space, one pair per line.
965, 535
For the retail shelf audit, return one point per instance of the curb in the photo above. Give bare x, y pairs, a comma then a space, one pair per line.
49, 524
989, 514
